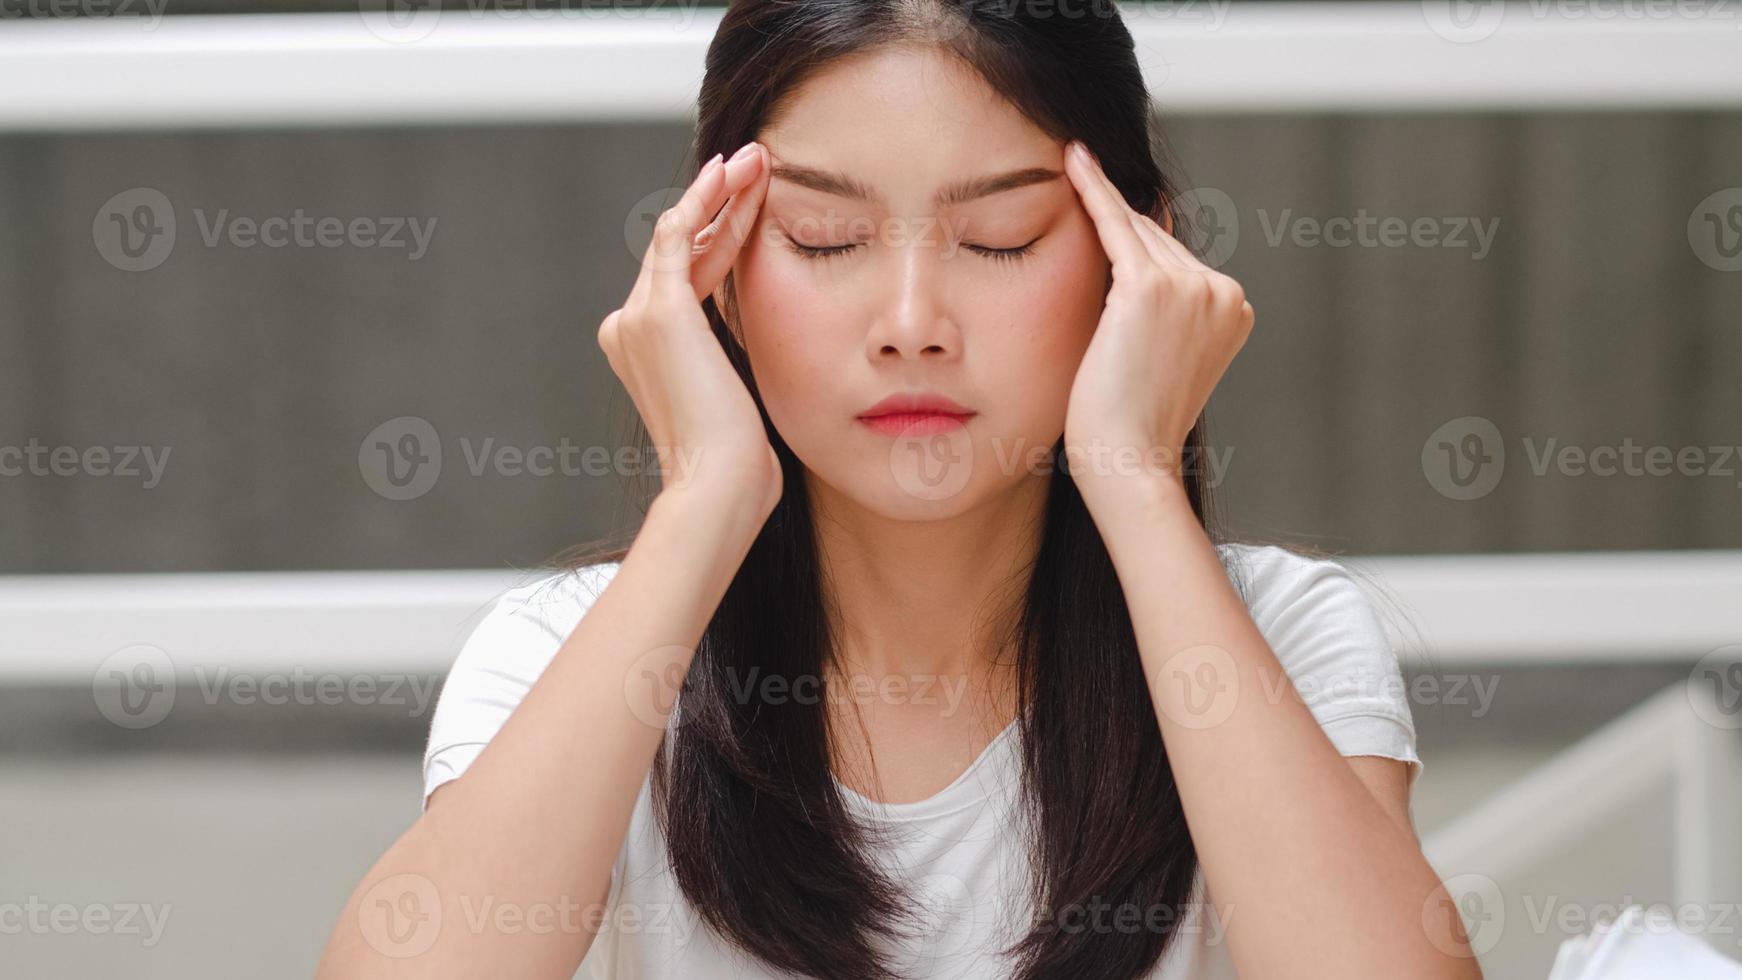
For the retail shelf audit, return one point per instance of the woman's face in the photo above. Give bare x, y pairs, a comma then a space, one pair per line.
892, 161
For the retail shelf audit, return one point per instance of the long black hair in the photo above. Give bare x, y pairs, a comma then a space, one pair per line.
757, 832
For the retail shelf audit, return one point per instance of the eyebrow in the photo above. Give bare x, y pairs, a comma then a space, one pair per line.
960, 192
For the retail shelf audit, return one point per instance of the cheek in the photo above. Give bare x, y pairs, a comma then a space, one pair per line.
1048, 313
787, 314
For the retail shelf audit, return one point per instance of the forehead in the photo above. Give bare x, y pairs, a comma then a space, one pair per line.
900, 124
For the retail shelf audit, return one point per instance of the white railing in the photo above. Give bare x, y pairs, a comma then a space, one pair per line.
1669, 741
1679, 749
472, 66
1567, 607
1467, 609
59, 628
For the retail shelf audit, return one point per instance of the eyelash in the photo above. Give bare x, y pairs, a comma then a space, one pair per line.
815, 253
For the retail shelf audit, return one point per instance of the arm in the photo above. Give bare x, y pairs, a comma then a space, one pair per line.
1316, 866
489, 879
539, 817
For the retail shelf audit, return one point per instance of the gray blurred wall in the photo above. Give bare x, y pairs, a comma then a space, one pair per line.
1591, 320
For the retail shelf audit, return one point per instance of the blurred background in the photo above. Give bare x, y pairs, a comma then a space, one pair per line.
298, 370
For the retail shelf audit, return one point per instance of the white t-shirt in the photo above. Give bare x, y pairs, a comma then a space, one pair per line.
961, 853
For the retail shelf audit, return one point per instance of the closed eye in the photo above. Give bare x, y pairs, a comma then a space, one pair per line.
816, 252
1003, 254
822, 252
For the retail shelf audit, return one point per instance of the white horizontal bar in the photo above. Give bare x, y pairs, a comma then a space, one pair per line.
59, 628
465, 66
316, 70
1577, 607
1538, 608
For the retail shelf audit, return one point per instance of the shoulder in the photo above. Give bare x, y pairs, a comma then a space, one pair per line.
1281, 586
505, 653
523, 628
1327, 632
553, 602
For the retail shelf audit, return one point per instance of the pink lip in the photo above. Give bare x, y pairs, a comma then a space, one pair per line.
914, 423
921, 414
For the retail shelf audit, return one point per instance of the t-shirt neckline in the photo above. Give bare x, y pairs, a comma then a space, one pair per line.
967, 789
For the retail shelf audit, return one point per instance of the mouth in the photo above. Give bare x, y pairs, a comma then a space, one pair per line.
915, 415
914, 423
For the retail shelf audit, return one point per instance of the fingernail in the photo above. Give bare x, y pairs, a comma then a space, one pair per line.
713, 162
743, 152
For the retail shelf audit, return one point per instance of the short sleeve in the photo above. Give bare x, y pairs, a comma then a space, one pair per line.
1326, 632
504, 654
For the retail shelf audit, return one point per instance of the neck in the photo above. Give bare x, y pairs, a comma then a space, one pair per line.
932, 599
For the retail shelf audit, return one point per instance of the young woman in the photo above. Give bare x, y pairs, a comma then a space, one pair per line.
926, 660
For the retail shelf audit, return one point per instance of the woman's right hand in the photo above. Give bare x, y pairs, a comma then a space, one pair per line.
700, 416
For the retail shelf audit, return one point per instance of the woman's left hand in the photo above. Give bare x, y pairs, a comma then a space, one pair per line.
1169, 330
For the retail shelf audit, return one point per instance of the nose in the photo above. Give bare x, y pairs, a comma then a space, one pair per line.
915, 321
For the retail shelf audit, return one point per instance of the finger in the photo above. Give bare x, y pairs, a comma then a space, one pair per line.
1152, 235
1107, 207
1179, 259
1169, 253
724, 237
1174, 247
668, 256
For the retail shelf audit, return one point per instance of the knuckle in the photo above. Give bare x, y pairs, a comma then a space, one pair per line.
1196, 288
1226, 290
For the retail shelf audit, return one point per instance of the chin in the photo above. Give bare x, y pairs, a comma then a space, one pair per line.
913, 482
